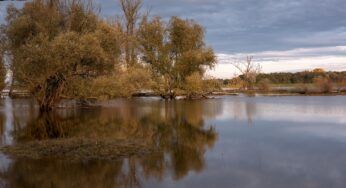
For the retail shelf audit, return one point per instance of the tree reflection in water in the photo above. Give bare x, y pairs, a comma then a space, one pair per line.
175, 129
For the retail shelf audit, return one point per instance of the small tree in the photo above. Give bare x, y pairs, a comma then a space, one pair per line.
174, 51
248, 70
323, 84
131, 13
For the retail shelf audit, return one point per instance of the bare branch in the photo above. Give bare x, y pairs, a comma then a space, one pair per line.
248, 70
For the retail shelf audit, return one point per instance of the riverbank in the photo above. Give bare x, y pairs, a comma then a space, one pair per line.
93, 102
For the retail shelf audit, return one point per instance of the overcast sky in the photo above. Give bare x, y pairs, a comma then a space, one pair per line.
283, 35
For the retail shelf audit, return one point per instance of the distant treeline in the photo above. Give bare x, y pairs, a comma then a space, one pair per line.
301, 77
305, 77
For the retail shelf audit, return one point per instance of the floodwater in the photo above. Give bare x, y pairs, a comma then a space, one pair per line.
233, 141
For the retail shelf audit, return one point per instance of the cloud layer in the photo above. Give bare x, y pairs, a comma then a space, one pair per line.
291, 34
243, 26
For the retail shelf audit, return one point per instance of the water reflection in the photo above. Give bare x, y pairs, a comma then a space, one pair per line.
291, 142
176, 129
6, 119
298, 109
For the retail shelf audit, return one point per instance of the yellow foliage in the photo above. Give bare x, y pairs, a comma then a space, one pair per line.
324, 85
123, 83
55, 45
194, 84
319, 70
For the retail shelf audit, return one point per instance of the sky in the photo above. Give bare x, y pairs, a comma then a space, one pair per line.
281, 35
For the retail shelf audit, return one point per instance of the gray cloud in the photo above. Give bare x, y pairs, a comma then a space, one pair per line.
243, 26
249, 26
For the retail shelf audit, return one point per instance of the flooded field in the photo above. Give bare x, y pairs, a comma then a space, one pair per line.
233, 141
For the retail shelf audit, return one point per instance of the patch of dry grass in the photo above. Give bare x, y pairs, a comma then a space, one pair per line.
78, 149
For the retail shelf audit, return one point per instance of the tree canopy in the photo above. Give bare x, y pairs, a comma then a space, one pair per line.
52, 42
174, 51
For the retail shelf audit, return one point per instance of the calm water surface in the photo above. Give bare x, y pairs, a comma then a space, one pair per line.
223, 142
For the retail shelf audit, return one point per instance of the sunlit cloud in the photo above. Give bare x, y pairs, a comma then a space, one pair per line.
301, 59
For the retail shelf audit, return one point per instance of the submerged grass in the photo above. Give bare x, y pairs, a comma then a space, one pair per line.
76, 149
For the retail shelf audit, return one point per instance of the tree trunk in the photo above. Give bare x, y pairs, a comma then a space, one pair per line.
169, 93
168, 96
53, 88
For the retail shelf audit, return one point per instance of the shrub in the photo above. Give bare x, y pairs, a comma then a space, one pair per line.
302, 89
211, 85
264, 84
323, 84
194, 84
123, 83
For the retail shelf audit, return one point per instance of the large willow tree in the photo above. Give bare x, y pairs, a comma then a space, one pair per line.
53, 43
174, 51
